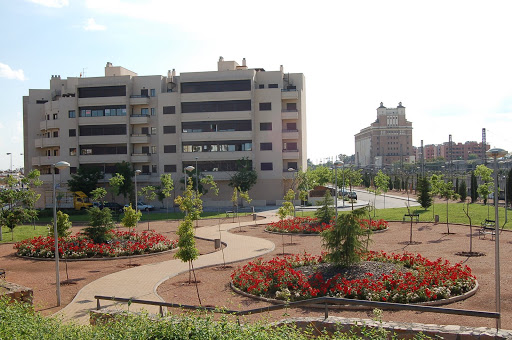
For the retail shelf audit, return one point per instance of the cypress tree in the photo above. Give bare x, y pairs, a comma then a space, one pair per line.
424, 195
463, 191
474, 187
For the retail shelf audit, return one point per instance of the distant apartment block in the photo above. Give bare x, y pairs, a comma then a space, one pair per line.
457, 151
162, 124
387, 140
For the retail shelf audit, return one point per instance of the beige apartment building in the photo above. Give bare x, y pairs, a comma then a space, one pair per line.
386, 141
162, 124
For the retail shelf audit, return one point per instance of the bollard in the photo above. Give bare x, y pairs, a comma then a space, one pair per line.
217, 243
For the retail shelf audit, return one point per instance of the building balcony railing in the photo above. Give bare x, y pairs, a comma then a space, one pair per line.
46, 142
289, 114
139, 119
289, 94
140, 138
45, 160
109, 159
290, 134
140, 157
139, 100
48, 124
290, 154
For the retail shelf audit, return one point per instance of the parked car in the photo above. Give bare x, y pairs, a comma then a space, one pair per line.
112, 206
143, 206
352, 195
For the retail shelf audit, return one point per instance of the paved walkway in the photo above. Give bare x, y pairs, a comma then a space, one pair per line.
142, 282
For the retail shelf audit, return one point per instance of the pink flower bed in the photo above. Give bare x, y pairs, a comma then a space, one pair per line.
426, 280
310, 225
122, 243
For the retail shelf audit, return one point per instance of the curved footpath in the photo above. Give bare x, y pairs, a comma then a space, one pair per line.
142, 282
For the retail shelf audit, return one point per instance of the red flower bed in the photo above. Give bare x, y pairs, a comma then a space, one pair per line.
426, 280
310, 225
122, 243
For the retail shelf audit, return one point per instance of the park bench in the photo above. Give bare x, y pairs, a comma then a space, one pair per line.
2, 273
412, 216
229, 212
487, 227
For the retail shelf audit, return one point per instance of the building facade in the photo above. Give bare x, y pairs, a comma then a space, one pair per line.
162, 124
386, 141
457, 151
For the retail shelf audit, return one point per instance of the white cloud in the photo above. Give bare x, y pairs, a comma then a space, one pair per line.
7, 72
91, 25
51, 3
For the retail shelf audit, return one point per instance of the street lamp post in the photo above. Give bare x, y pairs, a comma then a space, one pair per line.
137, 172
10, 153
343, 183
59, 165
495, 153
336, 187
197, 178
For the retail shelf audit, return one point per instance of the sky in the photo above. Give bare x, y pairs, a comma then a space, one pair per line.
448, 62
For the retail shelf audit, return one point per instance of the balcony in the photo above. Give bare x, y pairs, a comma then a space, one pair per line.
290, 154
139, 119
289, 94
290, 134
47, 124
46, 142
45, 160
140, 138
221, 135
140, 158
104, 139
108, 159
289, 114
139, 100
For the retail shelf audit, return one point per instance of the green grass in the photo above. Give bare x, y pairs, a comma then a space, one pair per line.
22, 232
477, 212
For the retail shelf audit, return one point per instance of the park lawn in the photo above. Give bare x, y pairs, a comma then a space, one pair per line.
22, 232
477, 212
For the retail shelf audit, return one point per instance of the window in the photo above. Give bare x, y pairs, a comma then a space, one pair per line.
145, 130
145, 169
265, 126
71, 114
169, 110
72, 169
216, 86
72, 151
291, 106
291, 126
102, 130
144, 111
292, 165
261, 86
290, 146
217, 126
153, 111
216, 106
169, 129
265, 106
170, 168
154, 168
145, 150
72, 132
47, 117
102, 91
55, 116
55, 134
103, 149
237, 145
99, 111
266, 166
169, 148
55, 152
153, 130
152, 94
273, 86
153, 149
265, 146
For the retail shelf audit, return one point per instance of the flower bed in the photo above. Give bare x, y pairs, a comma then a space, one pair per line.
421, 280
122, 243
310, 225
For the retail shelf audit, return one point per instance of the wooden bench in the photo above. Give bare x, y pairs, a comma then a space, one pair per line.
229, 212
487, 227
2, 273
412, 216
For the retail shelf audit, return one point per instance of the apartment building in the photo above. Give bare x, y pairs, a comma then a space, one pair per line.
455, 151
387, 140
162, 124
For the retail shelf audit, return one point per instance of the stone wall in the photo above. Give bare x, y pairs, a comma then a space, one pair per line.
16, 292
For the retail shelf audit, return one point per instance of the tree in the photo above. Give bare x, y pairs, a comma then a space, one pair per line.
436, 182
463, 190
245, 178
125, 170
166, 188
354, 178
322, 175
63, 225
116, 182
381, 185
234, 198
287, 209
131, 217
343, 241
486, 187
424, 195
446, 191
100, 223
474, 188
17, 206
325, 213
85, 180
